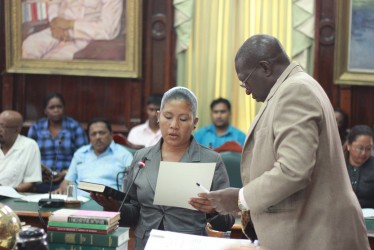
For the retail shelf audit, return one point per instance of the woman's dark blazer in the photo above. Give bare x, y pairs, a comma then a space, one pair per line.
140, 211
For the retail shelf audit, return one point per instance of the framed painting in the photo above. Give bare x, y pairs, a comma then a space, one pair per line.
74, 37
354, 50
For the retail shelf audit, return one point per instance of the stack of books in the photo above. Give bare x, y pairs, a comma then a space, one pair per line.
34, 10
86, 230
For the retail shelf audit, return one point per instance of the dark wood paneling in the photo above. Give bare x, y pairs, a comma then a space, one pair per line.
356, 101
121, 100
324, 44
2, 51
160, 30
362, 105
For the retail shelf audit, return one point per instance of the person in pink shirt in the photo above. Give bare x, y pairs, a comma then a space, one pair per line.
148, 133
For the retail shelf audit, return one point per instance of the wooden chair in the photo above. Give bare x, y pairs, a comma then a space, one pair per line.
121, 139
218, 234
232, 146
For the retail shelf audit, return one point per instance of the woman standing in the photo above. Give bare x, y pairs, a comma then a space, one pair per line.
177, 119
360, 164
58, 137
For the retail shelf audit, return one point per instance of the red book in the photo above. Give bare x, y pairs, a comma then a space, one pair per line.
34, 11
82, 230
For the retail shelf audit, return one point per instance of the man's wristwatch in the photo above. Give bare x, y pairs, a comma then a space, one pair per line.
241, 206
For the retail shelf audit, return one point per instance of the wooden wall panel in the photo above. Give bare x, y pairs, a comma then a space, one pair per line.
324, 44
356, 101
160, 31
121, 100
362, 108
2, 51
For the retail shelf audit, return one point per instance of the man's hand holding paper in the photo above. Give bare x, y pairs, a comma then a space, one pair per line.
223, 201
202, 204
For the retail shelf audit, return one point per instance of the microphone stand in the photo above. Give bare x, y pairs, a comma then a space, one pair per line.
49, 202
141, 164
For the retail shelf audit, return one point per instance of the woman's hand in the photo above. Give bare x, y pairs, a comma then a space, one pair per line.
202, 204
108, 203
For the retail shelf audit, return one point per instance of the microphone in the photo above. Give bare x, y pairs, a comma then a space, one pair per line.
141, 164
49, 202
54, 172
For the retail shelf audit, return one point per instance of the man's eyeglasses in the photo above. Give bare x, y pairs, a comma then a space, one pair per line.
243, 84
361, 149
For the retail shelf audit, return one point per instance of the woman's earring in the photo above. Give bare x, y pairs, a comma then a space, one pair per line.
158, 121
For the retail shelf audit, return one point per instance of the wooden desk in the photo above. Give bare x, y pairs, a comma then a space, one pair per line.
28, 211
371, 239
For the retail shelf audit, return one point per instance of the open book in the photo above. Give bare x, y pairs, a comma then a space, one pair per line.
100, 188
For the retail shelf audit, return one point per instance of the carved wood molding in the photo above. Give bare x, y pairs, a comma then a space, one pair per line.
158, 26
327, 32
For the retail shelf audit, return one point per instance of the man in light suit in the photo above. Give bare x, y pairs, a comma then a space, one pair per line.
296, 186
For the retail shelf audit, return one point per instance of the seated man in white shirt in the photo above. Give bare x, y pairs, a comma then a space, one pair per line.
148, 133
20, 165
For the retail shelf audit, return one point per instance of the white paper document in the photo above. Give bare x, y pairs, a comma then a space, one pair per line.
164, 240
8, 191
176, 182
368, 212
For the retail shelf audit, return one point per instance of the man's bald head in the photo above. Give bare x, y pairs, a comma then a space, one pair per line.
10, 126
259, 63
12, 117
261, 47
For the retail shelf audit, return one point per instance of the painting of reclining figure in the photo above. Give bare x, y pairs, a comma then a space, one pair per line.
73, 29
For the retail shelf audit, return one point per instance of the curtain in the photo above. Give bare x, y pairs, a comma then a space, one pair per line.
303, 19
217, 29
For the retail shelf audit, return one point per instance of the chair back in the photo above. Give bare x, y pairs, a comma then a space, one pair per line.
229, 146
121, 139
232, 163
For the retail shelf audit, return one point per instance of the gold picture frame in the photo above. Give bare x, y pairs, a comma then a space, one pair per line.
127, 66
353, 62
